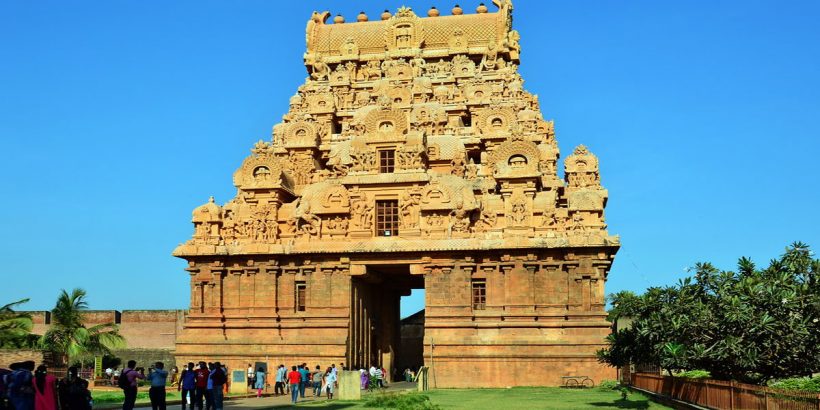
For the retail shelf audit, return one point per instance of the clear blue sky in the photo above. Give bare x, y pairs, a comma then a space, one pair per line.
117, 118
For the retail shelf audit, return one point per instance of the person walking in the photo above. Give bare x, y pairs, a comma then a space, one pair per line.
45, 389
19, 389
251, 373
305, 373
294, 379
281, 375
318, 375
330, 382
260, 380
209, 389
156, 393
187, 385
131, 374
218, 379
73, 392
365, 378
200, 384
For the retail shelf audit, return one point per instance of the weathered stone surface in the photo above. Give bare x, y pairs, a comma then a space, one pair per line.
411, 157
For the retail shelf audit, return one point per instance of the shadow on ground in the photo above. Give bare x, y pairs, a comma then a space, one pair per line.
622, 404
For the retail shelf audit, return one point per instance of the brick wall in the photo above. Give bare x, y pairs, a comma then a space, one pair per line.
9, 356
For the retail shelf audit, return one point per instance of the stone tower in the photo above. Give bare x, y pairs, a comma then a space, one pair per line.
411, 157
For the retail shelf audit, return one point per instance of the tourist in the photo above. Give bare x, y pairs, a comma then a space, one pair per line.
295, 379
3, 374
281, 375
305, 373
73, 392
174, 375
45, 389
317, 381
251, 373
218, 379
260, 380
200, 384
130, 374
19, 389
209, 388
330, 382
383, 380
156, 393
365, 378
333, 368
115, 375
187, 384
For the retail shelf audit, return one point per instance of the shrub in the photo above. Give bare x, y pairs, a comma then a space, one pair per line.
608, 384
410, 401
797, 383
695, 374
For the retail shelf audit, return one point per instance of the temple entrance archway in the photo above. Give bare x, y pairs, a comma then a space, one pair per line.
375, 337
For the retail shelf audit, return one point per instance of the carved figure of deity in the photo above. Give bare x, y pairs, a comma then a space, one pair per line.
471, 170
458, 166
409, 210
486, 220
361, 213
418, 64
320, 69
518, 213
309, 224
459, 220
490, 59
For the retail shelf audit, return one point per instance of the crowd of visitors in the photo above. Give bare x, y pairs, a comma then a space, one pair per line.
202, 386
22, 387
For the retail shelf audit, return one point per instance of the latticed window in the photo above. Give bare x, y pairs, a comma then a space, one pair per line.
301, 296
387, 218
387, 161
479, 294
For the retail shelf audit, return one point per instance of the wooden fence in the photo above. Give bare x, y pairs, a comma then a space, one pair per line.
716, 394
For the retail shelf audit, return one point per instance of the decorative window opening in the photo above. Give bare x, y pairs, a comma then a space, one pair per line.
517, 161
387, 218
387, 161
301, 296
479, 294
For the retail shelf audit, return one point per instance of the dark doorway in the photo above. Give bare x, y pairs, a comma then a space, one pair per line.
375, 333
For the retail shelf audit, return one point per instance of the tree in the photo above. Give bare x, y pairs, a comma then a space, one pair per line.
68, 335
751, 325
15, 327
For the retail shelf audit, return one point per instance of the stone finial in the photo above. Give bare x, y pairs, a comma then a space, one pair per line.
433, 12
339, 19
457, 10
361, 17
481, 9
386, 15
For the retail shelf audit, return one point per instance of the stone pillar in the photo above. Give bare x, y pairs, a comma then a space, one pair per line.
349, 385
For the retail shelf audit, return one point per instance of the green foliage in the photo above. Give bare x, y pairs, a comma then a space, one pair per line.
608, 384
15, 327
695, 374
411, 401
808, 384
69, 336
750, 325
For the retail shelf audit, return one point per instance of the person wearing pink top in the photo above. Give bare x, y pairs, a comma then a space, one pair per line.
45, 390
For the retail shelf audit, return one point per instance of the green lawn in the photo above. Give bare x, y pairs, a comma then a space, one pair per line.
515, 398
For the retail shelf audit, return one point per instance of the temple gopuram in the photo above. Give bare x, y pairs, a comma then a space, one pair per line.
412, 157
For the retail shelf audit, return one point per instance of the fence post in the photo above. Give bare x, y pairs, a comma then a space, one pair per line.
766, 398
731, 395
707, 394
818, 402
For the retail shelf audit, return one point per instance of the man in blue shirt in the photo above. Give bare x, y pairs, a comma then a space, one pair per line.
305, 372
187, 384
156, 393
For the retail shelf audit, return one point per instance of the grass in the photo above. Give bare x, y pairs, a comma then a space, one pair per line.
514, 398
101, 397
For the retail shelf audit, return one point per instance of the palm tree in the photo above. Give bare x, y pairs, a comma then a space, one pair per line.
68, 335
15, 327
